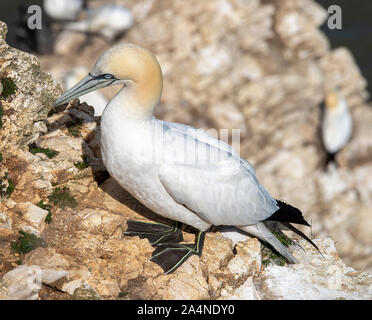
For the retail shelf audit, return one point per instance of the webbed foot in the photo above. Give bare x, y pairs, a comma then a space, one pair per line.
155, 232
170, 256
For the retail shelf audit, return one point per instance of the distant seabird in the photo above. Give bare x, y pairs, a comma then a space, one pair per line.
109, 20
63, 10
336, 123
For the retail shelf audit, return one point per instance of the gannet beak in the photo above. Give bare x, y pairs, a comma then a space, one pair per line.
84, 86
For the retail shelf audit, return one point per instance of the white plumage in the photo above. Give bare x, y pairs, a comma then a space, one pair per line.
108, 20
337, 123
63, 9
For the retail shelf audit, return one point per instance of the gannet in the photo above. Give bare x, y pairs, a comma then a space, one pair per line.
108, 20
94, 98
175, 170
336, 123
63, 9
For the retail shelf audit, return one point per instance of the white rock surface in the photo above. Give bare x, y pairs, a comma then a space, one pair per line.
315, 277
36, 217
247, 291
24, 282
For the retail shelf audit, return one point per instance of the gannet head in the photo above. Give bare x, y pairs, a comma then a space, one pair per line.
125, 64
331, 100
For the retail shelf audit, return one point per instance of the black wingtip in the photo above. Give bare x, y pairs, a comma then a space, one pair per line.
287, 213
301, 234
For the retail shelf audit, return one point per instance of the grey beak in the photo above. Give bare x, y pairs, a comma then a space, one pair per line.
84, 86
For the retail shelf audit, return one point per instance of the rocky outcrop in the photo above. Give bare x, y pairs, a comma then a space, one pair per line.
259, 66
35, 94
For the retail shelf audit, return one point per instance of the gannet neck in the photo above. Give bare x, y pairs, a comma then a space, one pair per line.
135, 102
139, 98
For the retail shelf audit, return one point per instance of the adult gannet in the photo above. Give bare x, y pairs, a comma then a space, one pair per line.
175, 170
63, 9
108, 20
336, 123
94, 98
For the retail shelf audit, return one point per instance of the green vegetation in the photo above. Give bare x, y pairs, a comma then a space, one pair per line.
19, 262
50, 153
61, 197
74, 128
27, 242
1, 116
269, 256
1, 157
10, 188
48, 207
123, 294
283, 238
6, 191
9, 87
81, 165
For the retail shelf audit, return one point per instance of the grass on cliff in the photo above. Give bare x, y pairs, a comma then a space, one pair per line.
6, 191
271, 257
50, 153
62, 198
47, 207
81, 165
1, 116
27, 242
74, 128
9, 87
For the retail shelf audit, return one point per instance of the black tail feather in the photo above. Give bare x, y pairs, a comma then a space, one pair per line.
301, 234
287, 213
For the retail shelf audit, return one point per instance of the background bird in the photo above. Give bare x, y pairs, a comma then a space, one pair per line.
109, 21
175, 170
63, 10
336, 124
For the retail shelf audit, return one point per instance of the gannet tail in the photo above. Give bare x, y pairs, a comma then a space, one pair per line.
301, 234
287, 213
260, 231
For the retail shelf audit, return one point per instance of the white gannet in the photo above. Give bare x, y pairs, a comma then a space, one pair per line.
63, 9
336, 123
175, 170
108, 20
94, 98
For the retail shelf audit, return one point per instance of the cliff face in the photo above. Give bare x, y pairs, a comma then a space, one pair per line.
262, 67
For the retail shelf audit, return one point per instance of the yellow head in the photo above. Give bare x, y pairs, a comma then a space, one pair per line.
125, 64
331, 101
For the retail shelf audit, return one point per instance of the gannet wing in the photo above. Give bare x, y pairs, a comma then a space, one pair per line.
225, 193
202, 136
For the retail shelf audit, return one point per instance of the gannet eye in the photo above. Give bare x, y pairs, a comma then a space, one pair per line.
108, 76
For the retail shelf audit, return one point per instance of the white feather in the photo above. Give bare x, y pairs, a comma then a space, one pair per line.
337, 126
